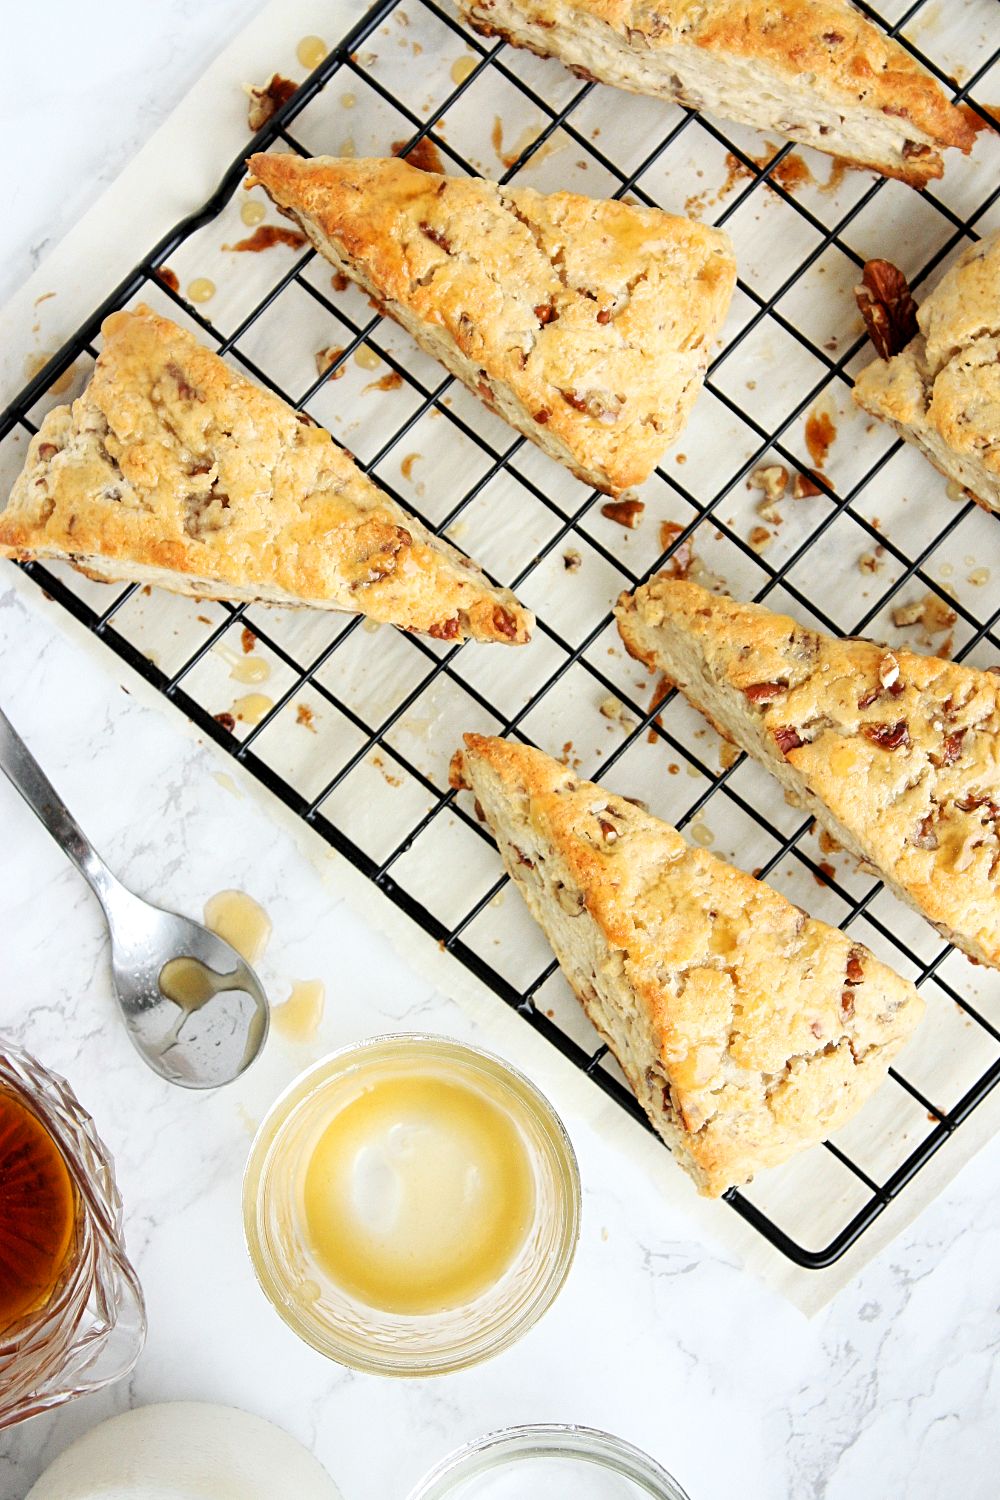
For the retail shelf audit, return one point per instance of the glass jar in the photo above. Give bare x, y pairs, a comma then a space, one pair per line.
325, 1314
90, 1328
538, 1463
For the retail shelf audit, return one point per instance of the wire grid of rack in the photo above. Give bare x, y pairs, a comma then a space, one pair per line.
372, 781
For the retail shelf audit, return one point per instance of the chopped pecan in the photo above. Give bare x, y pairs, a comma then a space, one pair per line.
627, 513
887, 736
764, 692
226, 720
47, 451
887, 307
609, 830
832, 38
184, 390
266, 101
604, 315
504, 623
542, 415
855, 970
772, 479
786, 738
522, 858
847, 1004
444, 630
888, 670
913, 150
545, 313
925, 837
951, 749
804, 486
435, 235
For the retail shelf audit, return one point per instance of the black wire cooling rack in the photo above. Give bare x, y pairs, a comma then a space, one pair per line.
780, 358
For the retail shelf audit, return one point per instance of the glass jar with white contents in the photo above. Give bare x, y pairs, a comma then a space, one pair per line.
548, 1463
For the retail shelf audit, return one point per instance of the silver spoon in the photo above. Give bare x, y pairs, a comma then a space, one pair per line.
195, 1010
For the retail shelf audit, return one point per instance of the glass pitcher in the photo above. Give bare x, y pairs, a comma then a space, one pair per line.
87, 1328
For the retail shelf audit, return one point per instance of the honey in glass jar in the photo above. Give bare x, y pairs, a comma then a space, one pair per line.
37, 1212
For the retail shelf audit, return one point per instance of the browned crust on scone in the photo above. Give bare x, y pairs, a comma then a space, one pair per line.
748, 1030
172, 468
585, 323
893, 751
831, 41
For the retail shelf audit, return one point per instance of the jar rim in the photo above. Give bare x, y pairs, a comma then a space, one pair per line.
507, 1446
446, 1353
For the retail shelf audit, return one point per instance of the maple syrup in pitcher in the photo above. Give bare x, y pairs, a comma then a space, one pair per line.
38, 1209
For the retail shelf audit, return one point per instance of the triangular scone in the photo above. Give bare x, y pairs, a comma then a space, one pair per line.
586, 323
942, 393
898, 755
748, 1030
816, 71
174, 470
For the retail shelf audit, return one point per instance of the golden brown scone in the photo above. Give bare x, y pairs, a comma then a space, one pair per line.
897, 754
172, 469
942, 393
814, 70
585, 323
748, 1030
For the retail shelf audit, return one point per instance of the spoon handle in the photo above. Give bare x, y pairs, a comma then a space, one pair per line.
24, 772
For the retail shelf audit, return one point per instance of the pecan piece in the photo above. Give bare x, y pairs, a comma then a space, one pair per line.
627, 513
951, 749
786, 739
855, 970
887, 736
925, 837
226, 720
545, 313
887, 307
764, 692
267, 100
435, 235
504, 623
609, 830
444, 630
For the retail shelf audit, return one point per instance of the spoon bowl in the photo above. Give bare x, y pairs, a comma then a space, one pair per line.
194, 1008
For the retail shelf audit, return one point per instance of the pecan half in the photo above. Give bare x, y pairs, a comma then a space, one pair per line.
887, 307
887, 736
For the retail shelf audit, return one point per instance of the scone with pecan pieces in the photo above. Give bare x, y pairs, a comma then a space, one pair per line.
174, 470
942, 391
748, 1030
586, 323
897, 754
817, 71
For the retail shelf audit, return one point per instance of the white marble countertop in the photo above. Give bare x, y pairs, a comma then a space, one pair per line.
891, 1391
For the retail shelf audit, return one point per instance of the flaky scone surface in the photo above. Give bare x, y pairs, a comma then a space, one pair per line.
748, 1030
897, 754
815, 70
942, 393
172, 468
586, 323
